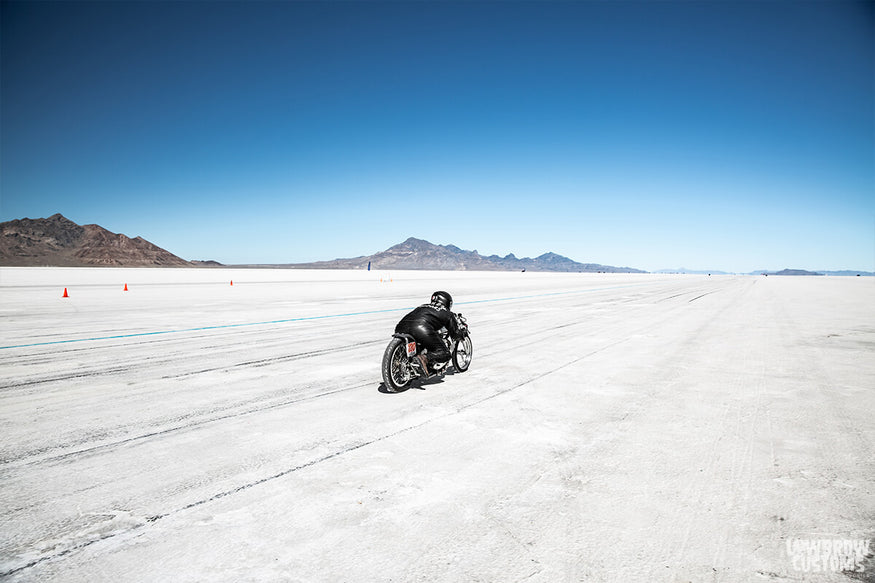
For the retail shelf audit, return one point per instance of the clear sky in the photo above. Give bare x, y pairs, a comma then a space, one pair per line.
717, 135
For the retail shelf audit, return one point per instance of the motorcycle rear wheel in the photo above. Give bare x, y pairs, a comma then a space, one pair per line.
395, 366
463, 354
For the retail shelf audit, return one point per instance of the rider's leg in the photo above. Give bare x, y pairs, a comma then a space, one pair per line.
436, 350
438, 355
423, 362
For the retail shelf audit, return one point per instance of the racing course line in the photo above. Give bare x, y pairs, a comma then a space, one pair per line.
283, 321
611, 428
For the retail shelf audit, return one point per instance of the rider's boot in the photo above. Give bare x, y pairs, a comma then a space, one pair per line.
423, 362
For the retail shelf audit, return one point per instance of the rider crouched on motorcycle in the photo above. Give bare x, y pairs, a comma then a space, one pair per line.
423, 324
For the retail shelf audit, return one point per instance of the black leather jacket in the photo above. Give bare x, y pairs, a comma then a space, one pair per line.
431, 318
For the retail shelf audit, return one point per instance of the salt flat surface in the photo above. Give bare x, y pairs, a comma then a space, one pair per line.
610, 428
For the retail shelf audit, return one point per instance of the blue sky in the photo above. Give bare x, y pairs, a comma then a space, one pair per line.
720, 135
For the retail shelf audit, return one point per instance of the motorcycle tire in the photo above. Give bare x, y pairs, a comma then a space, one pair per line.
395, 368
462, 354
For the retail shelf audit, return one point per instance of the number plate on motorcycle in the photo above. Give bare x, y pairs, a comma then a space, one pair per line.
411, 348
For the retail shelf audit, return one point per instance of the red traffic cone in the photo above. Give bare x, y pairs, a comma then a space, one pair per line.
232, 282
65, 294
126, 287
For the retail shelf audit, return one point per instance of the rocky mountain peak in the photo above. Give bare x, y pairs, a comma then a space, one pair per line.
58, 241
420, 254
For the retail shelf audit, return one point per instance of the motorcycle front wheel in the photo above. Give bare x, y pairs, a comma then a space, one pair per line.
463, 354
396, 368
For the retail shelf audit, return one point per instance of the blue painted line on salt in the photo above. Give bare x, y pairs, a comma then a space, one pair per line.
307, 318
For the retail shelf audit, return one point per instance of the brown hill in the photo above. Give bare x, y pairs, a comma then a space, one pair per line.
58, 241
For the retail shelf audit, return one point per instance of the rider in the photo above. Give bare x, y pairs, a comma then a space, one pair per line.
423, 324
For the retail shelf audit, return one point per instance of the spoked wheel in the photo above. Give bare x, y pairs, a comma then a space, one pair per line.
396, 367
463, 354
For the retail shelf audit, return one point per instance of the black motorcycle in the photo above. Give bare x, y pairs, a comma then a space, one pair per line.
401, 367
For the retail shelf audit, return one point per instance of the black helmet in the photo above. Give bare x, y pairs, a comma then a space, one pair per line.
442, 298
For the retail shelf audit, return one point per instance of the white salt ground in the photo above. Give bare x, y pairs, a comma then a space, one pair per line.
610, 428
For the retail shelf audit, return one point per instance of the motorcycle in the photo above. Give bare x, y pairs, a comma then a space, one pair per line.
401, 367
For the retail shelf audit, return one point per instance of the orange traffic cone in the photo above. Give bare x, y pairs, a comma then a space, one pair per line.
65, 294
126, 287
232, 282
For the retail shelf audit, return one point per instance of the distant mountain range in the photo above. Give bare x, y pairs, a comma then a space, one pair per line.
845, 272
765, 272
804, 272
791, 272
417, 254
58, 241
